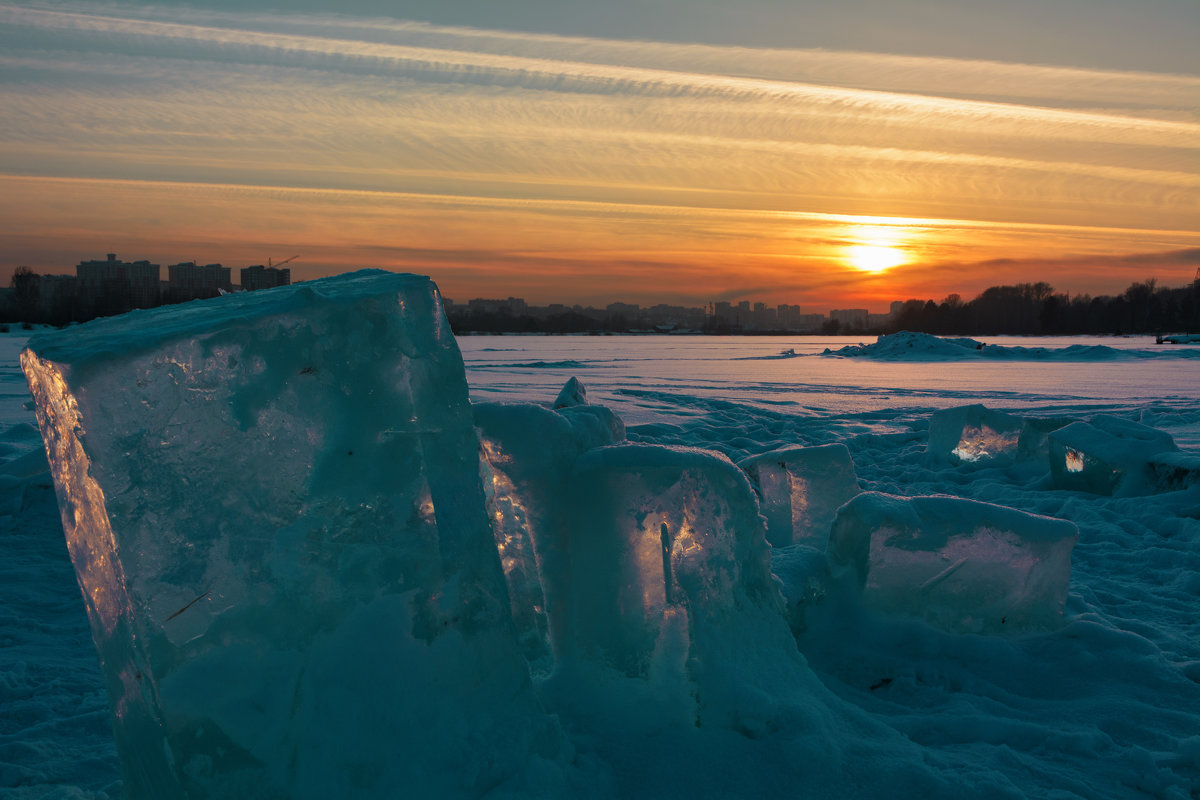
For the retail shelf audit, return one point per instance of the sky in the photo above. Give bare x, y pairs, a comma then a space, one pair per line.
828, 155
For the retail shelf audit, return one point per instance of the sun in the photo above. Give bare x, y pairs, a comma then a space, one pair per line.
874, 257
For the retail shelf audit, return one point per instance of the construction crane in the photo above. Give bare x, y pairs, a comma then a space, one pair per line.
281, 263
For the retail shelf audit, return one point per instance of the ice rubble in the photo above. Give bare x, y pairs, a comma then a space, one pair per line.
303, 551
959, 564
1114, 456
978, 436
1105, 455
800, 490
272, 501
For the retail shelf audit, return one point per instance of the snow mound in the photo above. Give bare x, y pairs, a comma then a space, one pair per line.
909, 346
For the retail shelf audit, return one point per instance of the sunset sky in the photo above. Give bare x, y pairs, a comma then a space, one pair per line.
825, 154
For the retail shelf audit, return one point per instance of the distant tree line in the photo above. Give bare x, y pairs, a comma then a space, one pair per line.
1023, 309
1035, 308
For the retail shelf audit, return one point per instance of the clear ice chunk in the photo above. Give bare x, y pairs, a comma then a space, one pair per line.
974, 435
1108, 456
961, 565
800, 490
657, 527
273, 505
671, 583
1034, 444
528, 454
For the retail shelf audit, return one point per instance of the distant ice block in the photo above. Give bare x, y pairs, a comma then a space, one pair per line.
273, 505
974, 435
1034, 444
1173, 471
1108, 455
529, 452
961, 565
800, 489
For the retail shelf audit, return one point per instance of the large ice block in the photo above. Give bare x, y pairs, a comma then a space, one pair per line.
529, 452
800, 490
974, 435
961, 565
1108, 455
273, 504
671, 582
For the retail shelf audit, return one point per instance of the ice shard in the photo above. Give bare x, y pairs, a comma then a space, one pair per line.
974, 435
528, 454
573, 394
273, 505
961, 565
1108, 455
800, 490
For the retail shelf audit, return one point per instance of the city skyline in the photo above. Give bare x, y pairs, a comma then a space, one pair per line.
857, 155
199, 279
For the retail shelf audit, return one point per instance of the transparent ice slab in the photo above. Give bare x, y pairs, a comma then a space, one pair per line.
800, 490
272, 502
961, 565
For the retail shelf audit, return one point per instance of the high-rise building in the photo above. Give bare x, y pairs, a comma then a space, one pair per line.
260, 277
192, 281
119, 282
851, 319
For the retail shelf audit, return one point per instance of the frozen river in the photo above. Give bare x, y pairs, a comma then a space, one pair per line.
665, 378
1107, 706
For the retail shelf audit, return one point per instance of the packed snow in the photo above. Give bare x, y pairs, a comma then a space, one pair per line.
710, 573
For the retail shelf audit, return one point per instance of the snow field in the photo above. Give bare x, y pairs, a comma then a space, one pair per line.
710, 695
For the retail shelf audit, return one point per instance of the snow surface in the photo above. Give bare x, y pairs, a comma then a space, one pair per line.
870, 703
